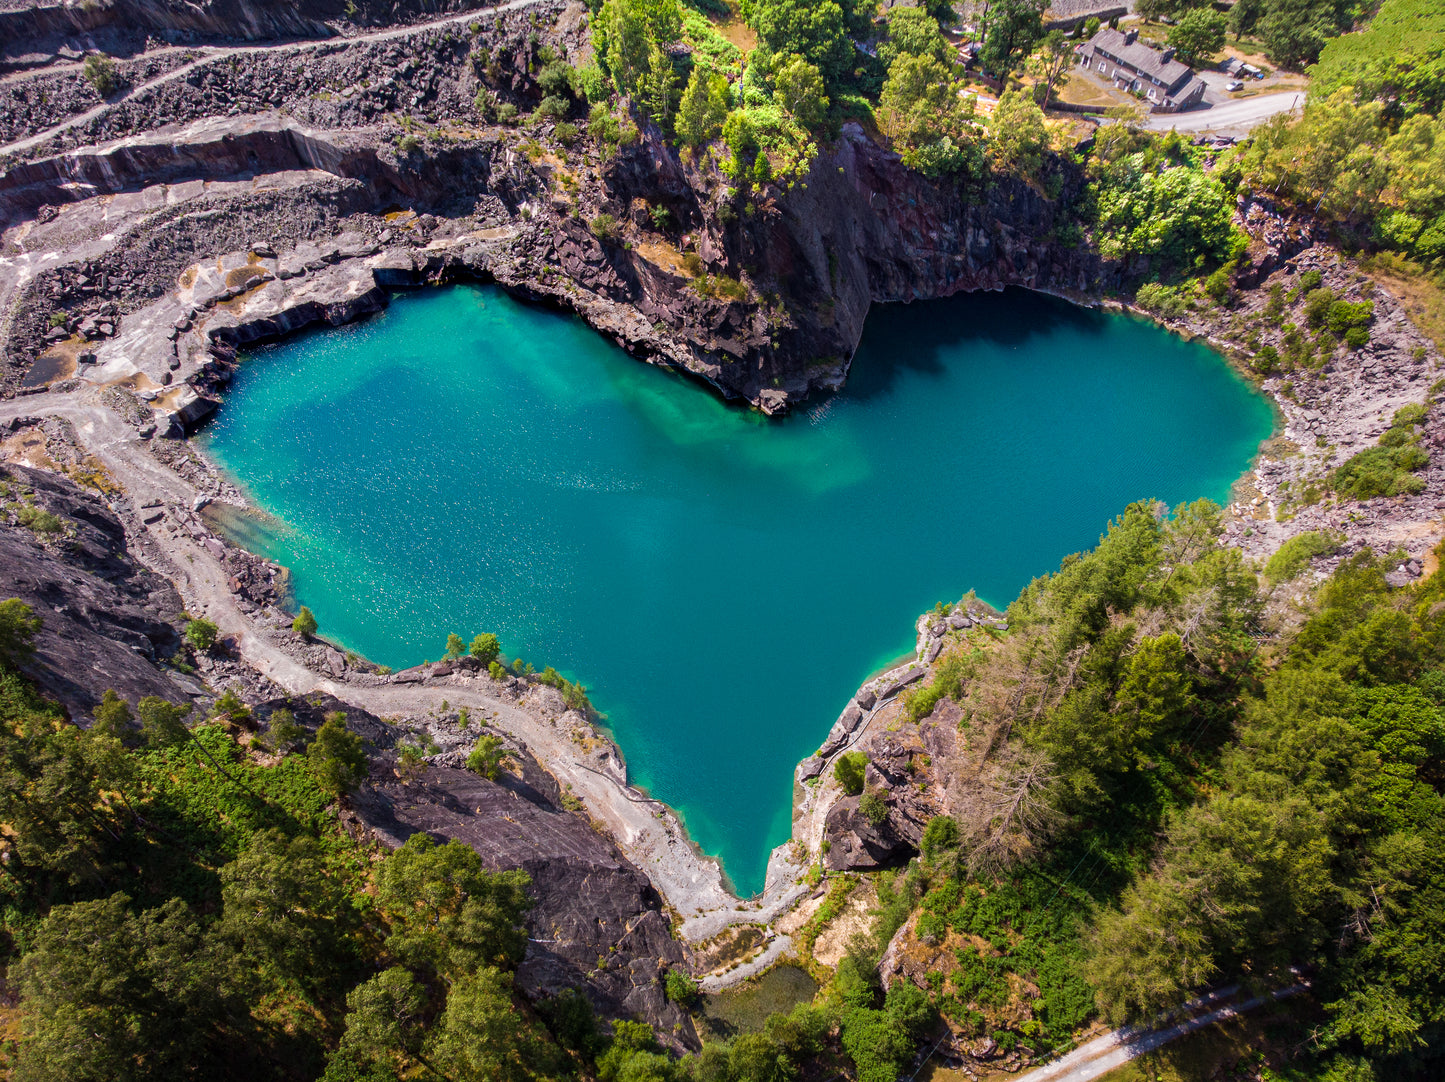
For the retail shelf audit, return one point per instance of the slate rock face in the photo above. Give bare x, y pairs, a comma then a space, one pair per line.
592, 904
106, 618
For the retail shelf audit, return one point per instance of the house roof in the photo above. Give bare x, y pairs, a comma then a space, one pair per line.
1141, 57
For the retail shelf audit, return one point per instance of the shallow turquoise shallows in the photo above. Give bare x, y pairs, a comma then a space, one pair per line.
721, 581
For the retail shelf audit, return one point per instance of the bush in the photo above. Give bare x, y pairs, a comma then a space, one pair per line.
1163, 301
38, 520
487, 756
605, 227
873, 809
565, 133
495, 670
1296, 553
304, 624
100, 72
939, 835
681, 989
201, 634
336, 757
849, 771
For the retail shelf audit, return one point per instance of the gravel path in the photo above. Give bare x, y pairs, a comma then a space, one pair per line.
210, 54
647, 831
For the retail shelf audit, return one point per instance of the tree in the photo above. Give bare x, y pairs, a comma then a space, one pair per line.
799, 89
1050, 63
281, 909
481, 1037
848, 769
201, 634
704, 107
923, 113
487, 756
1198, 36
232, 708
1014, 26
912, 31
162, 724
1294, 31
305, 623
624, 34
447, 914
660, 87
18, 627
456, 647
336, 756
112, 715
681, 988
282, 730
1179, 216
107, 994
99, 71
485, 648
816, 31
383, 1018
1020, 139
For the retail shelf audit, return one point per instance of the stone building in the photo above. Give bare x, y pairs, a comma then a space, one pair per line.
1168, 84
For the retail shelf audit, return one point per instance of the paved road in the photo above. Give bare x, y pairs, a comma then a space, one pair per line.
1233, 118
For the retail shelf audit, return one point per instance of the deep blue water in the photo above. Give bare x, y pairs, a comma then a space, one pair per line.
721, 582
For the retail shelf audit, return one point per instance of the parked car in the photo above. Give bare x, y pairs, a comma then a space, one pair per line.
1234, 84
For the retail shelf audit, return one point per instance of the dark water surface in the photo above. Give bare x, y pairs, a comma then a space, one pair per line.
720, 581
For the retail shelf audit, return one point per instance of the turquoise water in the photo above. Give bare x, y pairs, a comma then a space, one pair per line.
720, 581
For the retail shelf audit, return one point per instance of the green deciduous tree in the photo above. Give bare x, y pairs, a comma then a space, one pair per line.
487, 756
1014, 26
485, 648
923, 113
1198, 36
111, 994
799, 89
162, 724
1020, 139
703, 109
816, 31
201, 634
18, 627
624, 34
446, 913
482, 1037
336, 756
1049, 64
914, 32
848, 769
456, 647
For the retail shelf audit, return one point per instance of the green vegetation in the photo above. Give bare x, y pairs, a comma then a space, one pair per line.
485, 648
1295, 554
100, 72
1198, 36
305, 623
487, 756
1388, 468
1398, 59
848, 769
201, 634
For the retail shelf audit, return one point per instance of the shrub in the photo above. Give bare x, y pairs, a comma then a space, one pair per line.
1317, 307
553, 106
1310, 280
282, 730
304, 624
495, 670
456, 647
1163, 301
336, 757
1266, 360
1296, 553
873, 809
940, 834
849, 771
39, 520
681, 989
100, 72
566, 133
506, 113
487, 756
1357, 337
604, 227
201, 634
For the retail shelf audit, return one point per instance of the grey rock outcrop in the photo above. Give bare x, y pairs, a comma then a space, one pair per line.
107, 620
